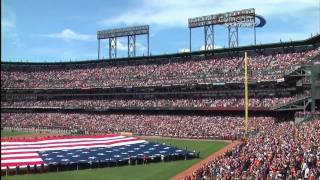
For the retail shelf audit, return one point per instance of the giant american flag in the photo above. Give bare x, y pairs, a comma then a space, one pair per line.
79, 149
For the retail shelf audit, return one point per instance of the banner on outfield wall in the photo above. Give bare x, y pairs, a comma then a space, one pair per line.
126, 133
280, 80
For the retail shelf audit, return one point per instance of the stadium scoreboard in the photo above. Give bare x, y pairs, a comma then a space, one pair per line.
121, 32
243, 18
233, 20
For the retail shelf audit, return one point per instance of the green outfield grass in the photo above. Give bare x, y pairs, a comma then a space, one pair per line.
151, 171
8, 133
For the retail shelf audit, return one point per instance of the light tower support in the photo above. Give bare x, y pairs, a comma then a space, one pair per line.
98, 49
132, 46
112, 47
233, 36
208, 37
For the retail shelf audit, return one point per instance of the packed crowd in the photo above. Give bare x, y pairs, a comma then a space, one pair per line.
116, 103
261, 68
279, 151
215, 127
275, 150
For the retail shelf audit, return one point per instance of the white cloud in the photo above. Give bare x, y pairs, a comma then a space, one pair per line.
182, 50
272, 37
60, 53
284, 36
176, 13
210, 47
7, 24
122, 45
8, 19
9, 27
141, 48
68, 34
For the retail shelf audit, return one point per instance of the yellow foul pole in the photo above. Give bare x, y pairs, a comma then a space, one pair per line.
246, 93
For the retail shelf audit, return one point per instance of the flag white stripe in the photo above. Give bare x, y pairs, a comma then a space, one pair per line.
73, 147
127, 143
60, 144
59, 140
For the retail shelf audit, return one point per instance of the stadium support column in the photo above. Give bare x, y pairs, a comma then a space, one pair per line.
98, 49
132, 46
315, 83
208, 37
246, 93
115, 47
233, 36
189, 39
205, 37
148, 45
255, 35
112, 47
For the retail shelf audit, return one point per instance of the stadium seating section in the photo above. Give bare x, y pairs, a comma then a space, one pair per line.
278, 149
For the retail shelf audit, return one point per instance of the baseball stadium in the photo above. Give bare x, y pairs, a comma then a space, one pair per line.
232, 103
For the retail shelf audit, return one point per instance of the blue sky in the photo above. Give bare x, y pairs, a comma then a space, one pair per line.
63, 30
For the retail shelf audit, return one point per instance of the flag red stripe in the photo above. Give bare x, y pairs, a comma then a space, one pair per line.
22, 157
21, 163
24, 152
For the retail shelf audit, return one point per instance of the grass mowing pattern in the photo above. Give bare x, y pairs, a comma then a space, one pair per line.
151, 171
8, 133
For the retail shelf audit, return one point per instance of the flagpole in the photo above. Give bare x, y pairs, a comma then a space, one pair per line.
246, 93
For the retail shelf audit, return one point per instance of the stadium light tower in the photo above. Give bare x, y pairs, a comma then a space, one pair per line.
231, 20
129, 32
